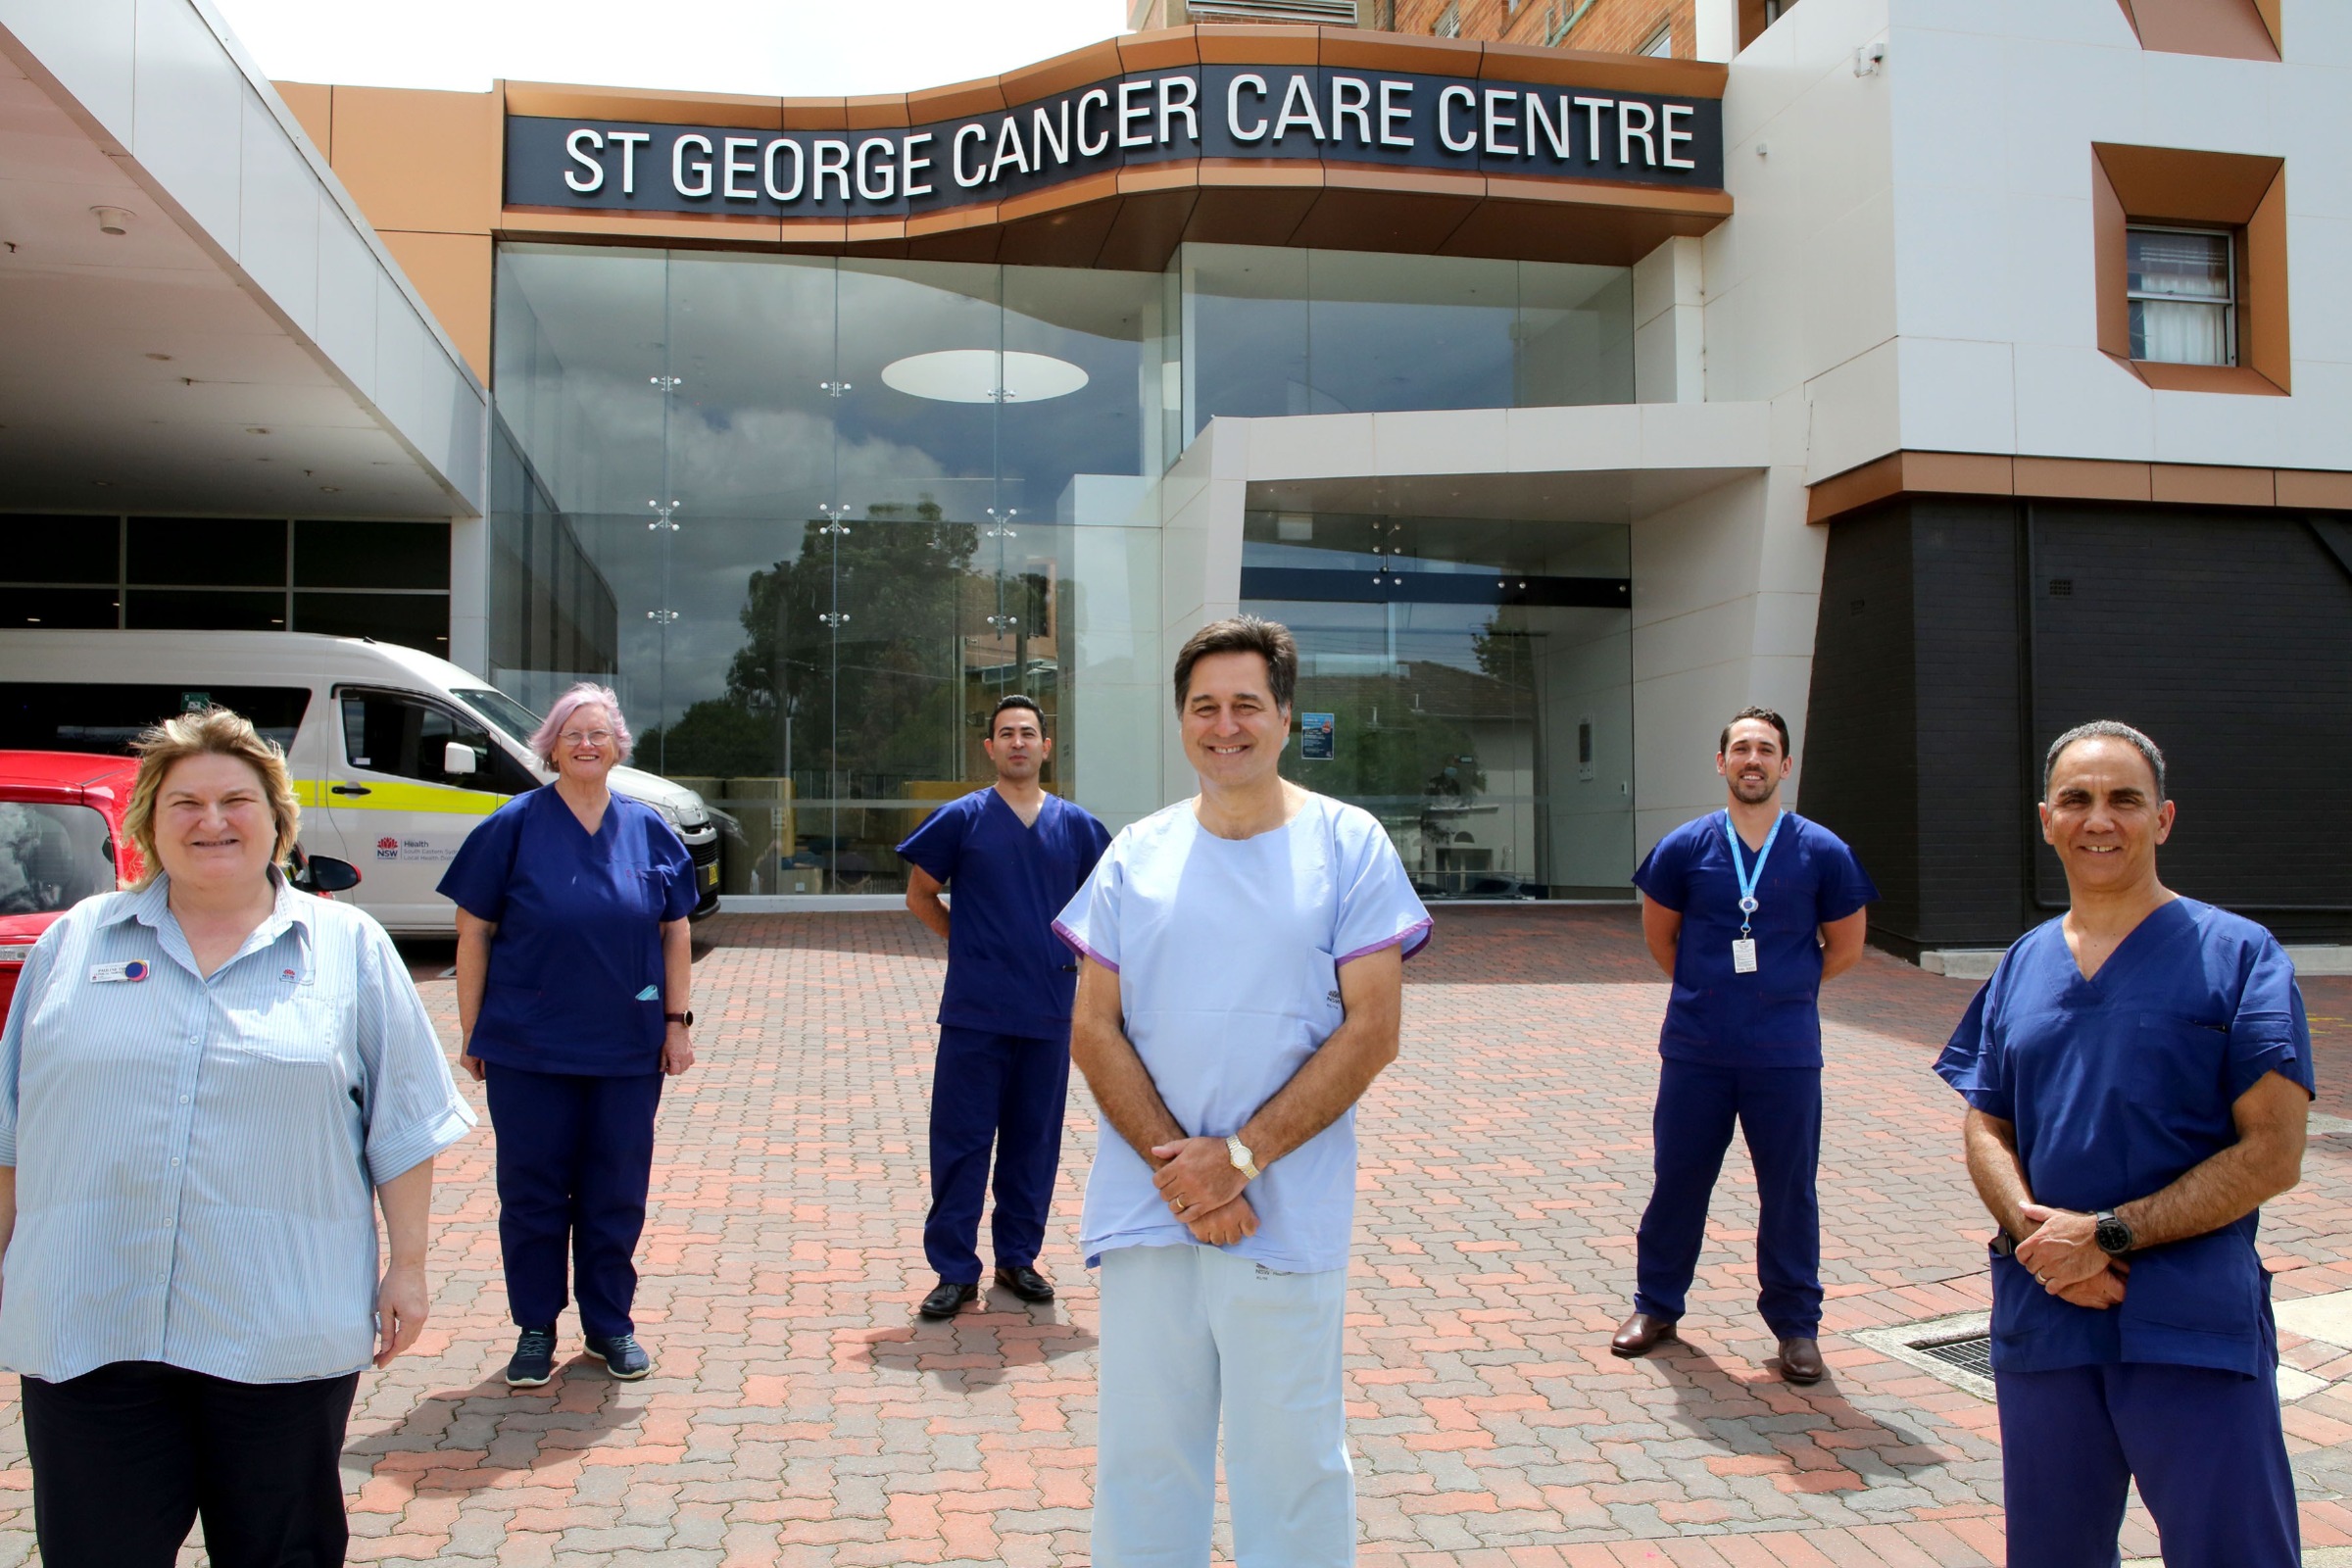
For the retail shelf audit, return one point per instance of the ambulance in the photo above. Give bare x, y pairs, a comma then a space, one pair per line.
396, 755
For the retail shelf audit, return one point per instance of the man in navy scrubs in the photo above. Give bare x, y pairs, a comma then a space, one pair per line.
2138, 1075
1014, 855
1749, 909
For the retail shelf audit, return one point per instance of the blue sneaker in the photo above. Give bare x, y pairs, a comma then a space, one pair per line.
623, 1357
534, 1359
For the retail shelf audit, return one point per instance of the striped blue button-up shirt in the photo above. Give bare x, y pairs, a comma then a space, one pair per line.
196, 1157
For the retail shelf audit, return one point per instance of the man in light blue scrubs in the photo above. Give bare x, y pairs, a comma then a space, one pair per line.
2138, 1076
1242, 987
1014, 855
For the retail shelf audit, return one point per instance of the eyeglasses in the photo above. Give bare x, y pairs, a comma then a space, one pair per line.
594, 736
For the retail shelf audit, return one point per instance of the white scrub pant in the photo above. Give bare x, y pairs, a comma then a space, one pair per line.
1188, 1329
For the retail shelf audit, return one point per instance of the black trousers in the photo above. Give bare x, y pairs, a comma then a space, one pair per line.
125, 1458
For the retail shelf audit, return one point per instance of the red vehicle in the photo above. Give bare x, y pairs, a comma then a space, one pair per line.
61, 840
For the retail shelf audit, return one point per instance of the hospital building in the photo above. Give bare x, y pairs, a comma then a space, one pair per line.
1566, 373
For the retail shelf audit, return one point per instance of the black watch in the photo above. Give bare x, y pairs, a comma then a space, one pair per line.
2113, 1235
686, 1017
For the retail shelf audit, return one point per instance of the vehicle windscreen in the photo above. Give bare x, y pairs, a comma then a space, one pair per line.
509, 715
107, 717
52, 857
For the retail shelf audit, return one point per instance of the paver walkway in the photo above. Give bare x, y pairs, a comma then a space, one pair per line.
801, 1414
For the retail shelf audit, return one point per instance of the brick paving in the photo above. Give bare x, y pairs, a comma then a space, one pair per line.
801, 1414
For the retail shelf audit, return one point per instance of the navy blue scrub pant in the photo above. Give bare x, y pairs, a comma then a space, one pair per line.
575, 1152
2204, 1446
1779, 1110
999, 1092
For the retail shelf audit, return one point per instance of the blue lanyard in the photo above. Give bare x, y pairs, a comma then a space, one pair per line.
1749, 879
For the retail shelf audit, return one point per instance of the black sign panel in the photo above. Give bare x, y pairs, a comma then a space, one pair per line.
1281, 113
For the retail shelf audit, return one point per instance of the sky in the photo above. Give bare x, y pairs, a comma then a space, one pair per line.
782, 48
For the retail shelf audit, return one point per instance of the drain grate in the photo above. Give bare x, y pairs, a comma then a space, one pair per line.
1971, 1354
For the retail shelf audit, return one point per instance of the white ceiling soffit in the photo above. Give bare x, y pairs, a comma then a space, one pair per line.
246, 345
1600, 495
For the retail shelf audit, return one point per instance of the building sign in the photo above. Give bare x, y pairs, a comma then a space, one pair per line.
1273, 113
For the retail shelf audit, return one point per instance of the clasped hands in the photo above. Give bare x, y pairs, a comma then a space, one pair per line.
1201, 1187
2064, 1255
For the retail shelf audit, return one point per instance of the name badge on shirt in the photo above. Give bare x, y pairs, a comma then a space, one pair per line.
130, 969
1743, 955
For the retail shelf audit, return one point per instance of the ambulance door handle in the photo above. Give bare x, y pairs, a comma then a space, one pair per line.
349, 789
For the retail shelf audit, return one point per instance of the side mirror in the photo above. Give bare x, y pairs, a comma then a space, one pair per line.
324, 873
458, 758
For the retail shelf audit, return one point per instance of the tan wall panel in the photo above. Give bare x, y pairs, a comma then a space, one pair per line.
559, 101
2082, 479
313, 105
2263, 333
1855, 488
416, 160
2160, 184
2193, 484
1960, 473
452, 272
2232, 30
2111, 253
2303, 487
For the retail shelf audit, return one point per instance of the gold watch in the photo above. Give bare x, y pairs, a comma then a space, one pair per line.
1239, 1154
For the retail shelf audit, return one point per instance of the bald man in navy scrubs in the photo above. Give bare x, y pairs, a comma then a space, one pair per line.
1749, 909
1011, 855
2138, 1076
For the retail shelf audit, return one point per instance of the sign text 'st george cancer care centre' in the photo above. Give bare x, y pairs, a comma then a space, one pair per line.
1254, 112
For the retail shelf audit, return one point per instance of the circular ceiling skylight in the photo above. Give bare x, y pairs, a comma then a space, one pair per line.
983, 375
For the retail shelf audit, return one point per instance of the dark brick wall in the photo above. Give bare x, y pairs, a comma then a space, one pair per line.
1861, 777
2228, 636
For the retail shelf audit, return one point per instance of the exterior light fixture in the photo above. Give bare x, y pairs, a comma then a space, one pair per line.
983, 375
112, 219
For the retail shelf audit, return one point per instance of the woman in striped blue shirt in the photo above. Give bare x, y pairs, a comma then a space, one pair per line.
206, 1084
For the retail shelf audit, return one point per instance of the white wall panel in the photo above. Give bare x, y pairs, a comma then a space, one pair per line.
1958, 396
87, 45
277, 221
2078, 402
346, 294
189, 115
1856, 412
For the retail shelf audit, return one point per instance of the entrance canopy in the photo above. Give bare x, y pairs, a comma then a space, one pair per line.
198, 319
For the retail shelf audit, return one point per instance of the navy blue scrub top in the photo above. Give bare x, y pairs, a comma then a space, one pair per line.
2116, 1086
1008, 974
1772, 1017
576, 968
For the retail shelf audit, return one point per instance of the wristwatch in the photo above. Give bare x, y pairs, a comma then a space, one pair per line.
686, 1017
1242, 1161
2113, 1235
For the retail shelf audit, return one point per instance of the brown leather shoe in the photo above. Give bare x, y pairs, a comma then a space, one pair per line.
1642, 1334
1800, 1361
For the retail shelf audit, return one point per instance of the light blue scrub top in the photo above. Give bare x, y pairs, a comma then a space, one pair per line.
1228, 954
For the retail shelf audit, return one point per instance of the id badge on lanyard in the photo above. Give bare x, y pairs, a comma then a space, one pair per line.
1743, 946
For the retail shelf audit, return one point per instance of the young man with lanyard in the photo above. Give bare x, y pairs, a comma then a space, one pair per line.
1014, 855
2138, 1076
1748, 909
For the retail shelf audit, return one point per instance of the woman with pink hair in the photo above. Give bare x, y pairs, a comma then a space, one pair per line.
573, 977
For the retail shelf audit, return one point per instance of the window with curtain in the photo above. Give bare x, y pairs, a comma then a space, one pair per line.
2182, 284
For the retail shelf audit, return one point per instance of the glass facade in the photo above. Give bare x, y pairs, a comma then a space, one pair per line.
1469, 683
811, 517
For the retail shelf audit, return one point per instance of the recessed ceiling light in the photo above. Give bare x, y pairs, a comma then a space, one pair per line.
256, 430
331, 489
983, 375
165, 358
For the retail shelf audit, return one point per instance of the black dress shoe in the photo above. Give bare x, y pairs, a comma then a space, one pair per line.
1025, 1282
1642, 1334
949, 1300
1800, 1361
